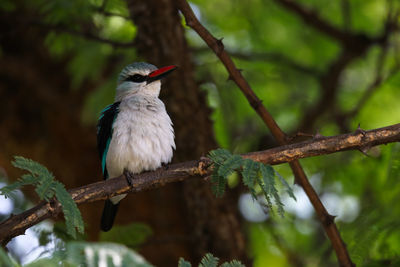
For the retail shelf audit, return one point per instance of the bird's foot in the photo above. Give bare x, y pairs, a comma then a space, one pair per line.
129, 177
165, 166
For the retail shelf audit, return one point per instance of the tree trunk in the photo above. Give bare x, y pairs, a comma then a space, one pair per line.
207, 224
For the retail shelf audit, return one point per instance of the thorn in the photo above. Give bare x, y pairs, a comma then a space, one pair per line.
360, 131
256, 104
364, 150
230, 78
329, 219
220, 46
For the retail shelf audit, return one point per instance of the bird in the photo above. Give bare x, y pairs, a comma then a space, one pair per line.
135, 133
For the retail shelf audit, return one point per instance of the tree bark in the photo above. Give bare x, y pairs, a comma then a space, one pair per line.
208, 224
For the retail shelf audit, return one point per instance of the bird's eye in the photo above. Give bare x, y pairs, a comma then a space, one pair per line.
136, 78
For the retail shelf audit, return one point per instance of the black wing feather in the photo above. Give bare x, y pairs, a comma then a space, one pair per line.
104, 132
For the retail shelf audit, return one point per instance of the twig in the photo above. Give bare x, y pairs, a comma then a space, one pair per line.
259, 56
353, 47
326, 219
17, 224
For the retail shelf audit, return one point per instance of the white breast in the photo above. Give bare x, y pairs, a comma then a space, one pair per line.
143, 137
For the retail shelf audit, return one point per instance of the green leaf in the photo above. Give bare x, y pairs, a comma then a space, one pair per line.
209, 260
92, 254
31, 166
218, 183
234, 263
268, 176
183, 263
72, 215
48, 262
249, 172
230, 165
218, 156
45, 189
289, 190
130, 235
6, 260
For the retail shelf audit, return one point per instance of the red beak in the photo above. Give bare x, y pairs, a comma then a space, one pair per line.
160, 73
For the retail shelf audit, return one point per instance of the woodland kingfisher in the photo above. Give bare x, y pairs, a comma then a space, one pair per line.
134, 134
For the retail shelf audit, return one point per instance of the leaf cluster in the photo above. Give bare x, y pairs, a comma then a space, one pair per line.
85, 254
255, 175
46, 188
209, 260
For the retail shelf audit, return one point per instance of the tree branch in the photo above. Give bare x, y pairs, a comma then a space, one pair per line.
217, 46
260, 56
360, 140
354, 46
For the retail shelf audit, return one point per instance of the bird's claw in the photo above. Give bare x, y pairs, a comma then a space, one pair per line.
165, 166
129, 177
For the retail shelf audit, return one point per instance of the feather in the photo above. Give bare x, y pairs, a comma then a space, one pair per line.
104, 133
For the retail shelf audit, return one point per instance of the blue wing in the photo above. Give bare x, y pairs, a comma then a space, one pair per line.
104, 133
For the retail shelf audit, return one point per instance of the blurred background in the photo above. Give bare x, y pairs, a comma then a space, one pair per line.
318, 66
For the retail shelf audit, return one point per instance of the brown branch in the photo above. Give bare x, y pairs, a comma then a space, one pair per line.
216, 45
354, 46
360, 140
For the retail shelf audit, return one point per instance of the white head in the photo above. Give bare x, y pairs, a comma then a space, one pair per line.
141, 78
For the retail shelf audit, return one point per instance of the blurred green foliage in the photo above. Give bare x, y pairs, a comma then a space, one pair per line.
283, 59
132, 235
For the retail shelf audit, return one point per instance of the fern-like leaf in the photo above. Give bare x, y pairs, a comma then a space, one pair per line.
218, 156
183, 263
31, 166
254, 174
268, 175
249, 172
264, 184
289, 190
230, 165
209, 260
73, 218
45, 189
218, 184
234, 263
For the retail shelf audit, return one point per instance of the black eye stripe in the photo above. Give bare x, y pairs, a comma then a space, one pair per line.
136, 78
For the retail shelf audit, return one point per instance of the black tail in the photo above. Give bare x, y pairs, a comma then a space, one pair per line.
108, 216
